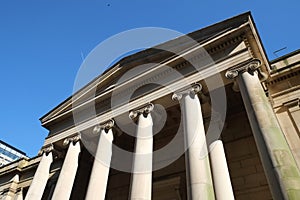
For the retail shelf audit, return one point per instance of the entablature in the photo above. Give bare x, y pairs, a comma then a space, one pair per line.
211, 57
182, 63
153, 95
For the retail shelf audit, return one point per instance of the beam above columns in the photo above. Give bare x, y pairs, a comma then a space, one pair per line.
205, 73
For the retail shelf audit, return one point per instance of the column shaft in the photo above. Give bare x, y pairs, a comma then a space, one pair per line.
40, 178
221, 178
99, 175
199, 181
141, 186
19, 196
278, 162
11, 194
67, 174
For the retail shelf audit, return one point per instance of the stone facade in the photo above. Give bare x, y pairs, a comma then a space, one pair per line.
251, 148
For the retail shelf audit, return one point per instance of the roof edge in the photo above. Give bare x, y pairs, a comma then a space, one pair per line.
243, 17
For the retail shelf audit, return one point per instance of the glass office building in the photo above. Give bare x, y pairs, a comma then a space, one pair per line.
9, 153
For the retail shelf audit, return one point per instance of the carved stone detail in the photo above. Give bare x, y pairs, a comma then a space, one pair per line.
73, 139
231, 74
46, 149
194, 89
142, 110
106, 125
250, 67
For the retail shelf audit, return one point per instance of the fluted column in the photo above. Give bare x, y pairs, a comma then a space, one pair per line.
68, 171
198, 173
220, 173
41, 176
280, 167
141, 185
100, 171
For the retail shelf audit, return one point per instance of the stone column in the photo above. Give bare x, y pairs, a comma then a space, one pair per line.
68, 171
12, 190
41, 176
141, 185
280, 167
221, 178
100, 171
199, 181
19, 195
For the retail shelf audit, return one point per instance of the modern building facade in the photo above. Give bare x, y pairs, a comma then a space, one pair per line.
9, 153
203, 116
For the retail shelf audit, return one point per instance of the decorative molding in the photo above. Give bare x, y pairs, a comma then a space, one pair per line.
72, 139
194, 89
106, 125
249, 67
227, 43
146, 109
289, 90
283, 77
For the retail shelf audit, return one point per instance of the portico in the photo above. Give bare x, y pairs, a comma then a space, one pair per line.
197, 124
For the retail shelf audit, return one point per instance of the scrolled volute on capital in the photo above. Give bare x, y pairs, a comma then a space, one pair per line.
46, 149
145, 110
193, 89
249, 67
72, 139
106, 126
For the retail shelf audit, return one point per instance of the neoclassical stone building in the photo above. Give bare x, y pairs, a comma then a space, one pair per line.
207, 116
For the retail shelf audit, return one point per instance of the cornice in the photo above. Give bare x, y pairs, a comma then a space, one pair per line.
282, 77
228, 42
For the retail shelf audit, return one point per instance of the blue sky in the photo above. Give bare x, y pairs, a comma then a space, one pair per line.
42, 43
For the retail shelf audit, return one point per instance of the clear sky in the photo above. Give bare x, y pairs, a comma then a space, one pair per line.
42, 43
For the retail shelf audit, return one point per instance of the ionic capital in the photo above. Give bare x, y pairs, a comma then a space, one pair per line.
145, 110
193, 89
250, 67
106, 125
46, 149
72, 139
